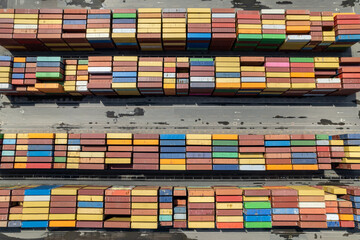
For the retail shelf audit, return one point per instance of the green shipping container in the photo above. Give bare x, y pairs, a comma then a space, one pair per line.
49, 59
322, 137
257, 224
225, 154
225, 142
49, 75
83, 62
201, 59
249, 37
1, 136
303, 143
60, 159
301, 60
257, 205
124, 15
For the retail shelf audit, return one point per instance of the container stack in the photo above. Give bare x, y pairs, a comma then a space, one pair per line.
149, 29
325, 70
16, 206
90, 207
73, 151
225, 152
303, 145
70, 76
180, 207
311, 207
166, 206
146, 151
229, 208
297, 30
172, 152
40, 151
117, 207
1, 148
8, 151
50, 71
170, 76
353, 194
74, 29
331, 206
302, 75
349, 73
347, 31
30, 76
36, 206
60, 150
223, 29
93, 148
50, 29
82, 77
278, 156
248, 30
336, 149
277, 75
21, 149
63, 206
6, 68
5, 194
328, 31
119, 149
323, 151
144, 207
202, 76
198, 152
273, 29
125, 75
182, 76
98, 29
257, 208
199, 28
174, 29
251, 153
351, 151
18, 73
7, 19
124, 29
253, 79
227, 82
285, 207
201, 207
100, 75
26, 25
150, 75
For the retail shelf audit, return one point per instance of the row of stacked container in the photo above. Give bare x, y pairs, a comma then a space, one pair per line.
179, 76
181, 152
156, 29
152, 207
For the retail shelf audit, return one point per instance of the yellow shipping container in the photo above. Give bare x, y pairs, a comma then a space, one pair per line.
197, 20
64, 191
224, 136
298, 17
201, 224
41, 135
229, 218
117, 160
35, 217
144, 225
251, 161
119, 142
144, 192
198, 136
330, 197
89, 217
352, 154
201, 199
150, 74
62, 216
166, 211
335, 190
149, 10
198, 142
308, 191
36, 204
237, 205
346, 217
144, 205
172, 161
173, 167
89, 198
144, 218
251, 155
14, 217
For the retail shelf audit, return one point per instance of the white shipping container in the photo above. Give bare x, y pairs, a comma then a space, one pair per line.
5, 86
82, 89
253, 79
81, 83
298, 38
169, 75
37, 198
174, 10
328, 80
99, 36
223, 15
252, 167
25, 26
275, 26
311, 204
100, 70
124, 30
74, 148
202, 79
322, 142
273, 11
179, 216
332, 217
